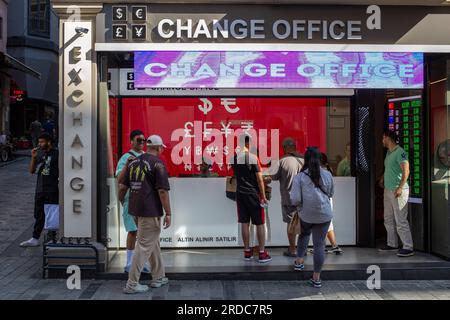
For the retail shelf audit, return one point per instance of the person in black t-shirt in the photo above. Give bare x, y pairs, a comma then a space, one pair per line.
148, 181
44, 162
250, 199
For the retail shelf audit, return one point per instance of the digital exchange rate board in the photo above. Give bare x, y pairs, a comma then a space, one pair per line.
405, 118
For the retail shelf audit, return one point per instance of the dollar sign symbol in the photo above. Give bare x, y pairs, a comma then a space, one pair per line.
119, 13
206, 107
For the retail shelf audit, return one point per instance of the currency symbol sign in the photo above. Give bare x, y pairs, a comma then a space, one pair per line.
119, 32
229, 104
139, 31
119, 13
206, 107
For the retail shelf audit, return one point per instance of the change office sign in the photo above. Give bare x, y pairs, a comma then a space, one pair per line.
278, 69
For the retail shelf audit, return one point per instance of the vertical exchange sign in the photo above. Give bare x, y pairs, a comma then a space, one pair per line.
77, 115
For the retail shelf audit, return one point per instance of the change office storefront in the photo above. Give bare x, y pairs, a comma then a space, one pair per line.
313, 72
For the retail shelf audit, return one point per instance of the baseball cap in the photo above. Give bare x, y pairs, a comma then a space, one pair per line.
155, 140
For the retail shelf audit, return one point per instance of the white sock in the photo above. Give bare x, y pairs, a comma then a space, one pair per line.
129, 257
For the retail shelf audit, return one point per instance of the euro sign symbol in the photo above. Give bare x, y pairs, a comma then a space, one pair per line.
119, 13
206, 107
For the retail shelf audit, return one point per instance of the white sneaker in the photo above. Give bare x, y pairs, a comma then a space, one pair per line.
158, 283
30, 243
139, 288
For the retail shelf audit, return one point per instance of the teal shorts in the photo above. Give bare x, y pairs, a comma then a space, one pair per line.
128, 220
129, 223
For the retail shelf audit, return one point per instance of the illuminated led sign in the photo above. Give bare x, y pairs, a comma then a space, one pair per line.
405, 118
273, 69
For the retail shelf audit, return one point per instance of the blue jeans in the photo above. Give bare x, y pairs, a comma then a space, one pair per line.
319, 232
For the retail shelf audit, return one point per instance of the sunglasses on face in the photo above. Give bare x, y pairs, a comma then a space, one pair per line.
140, 140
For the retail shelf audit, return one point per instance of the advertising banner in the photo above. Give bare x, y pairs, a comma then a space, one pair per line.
277, 69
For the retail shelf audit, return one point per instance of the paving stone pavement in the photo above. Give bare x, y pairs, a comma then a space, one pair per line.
20, 269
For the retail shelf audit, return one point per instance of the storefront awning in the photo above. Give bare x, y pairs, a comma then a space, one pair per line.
12, 63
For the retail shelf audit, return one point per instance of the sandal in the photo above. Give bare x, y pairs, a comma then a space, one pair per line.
287, 253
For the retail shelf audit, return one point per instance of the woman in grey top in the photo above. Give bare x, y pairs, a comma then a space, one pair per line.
311, 190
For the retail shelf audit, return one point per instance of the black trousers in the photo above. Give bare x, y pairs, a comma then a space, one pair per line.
39, 213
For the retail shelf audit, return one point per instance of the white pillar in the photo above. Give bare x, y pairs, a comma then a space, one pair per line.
78, 119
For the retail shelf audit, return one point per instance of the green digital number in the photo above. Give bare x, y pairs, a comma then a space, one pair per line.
416, 103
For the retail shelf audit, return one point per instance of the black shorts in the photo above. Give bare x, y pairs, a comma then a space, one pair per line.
249, 208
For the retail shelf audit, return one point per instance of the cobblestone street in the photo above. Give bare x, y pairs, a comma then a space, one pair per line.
20, 272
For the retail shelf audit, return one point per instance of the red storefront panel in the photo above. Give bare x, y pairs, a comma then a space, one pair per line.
303, 119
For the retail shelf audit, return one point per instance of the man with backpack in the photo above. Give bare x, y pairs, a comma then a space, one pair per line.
148, 181
137, 140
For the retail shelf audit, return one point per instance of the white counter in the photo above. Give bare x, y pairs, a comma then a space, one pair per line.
204, 217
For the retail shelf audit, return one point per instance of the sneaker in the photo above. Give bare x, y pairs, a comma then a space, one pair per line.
315, 283
298, 266
264, 257
335, 250
387, 248
30, 243
248, 255
405, 253
139, 288
288, 253
158, 283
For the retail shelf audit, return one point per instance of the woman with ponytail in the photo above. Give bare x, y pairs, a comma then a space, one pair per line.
311, 190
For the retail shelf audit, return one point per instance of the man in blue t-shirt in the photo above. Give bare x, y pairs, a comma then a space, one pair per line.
137, 140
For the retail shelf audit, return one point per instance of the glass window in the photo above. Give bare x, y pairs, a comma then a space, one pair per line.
440, 155
39, 18
194, 123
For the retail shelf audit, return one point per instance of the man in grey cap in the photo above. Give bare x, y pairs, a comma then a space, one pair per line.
289, 166
147, 178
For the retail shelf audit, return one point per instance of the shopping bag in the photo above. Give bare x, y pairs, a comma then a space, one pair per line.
294, 226
51, 216
230, 188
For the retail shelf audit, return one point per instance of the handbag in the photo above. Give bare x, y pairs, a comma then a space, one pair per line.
51, 217
294, 227
230, 188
